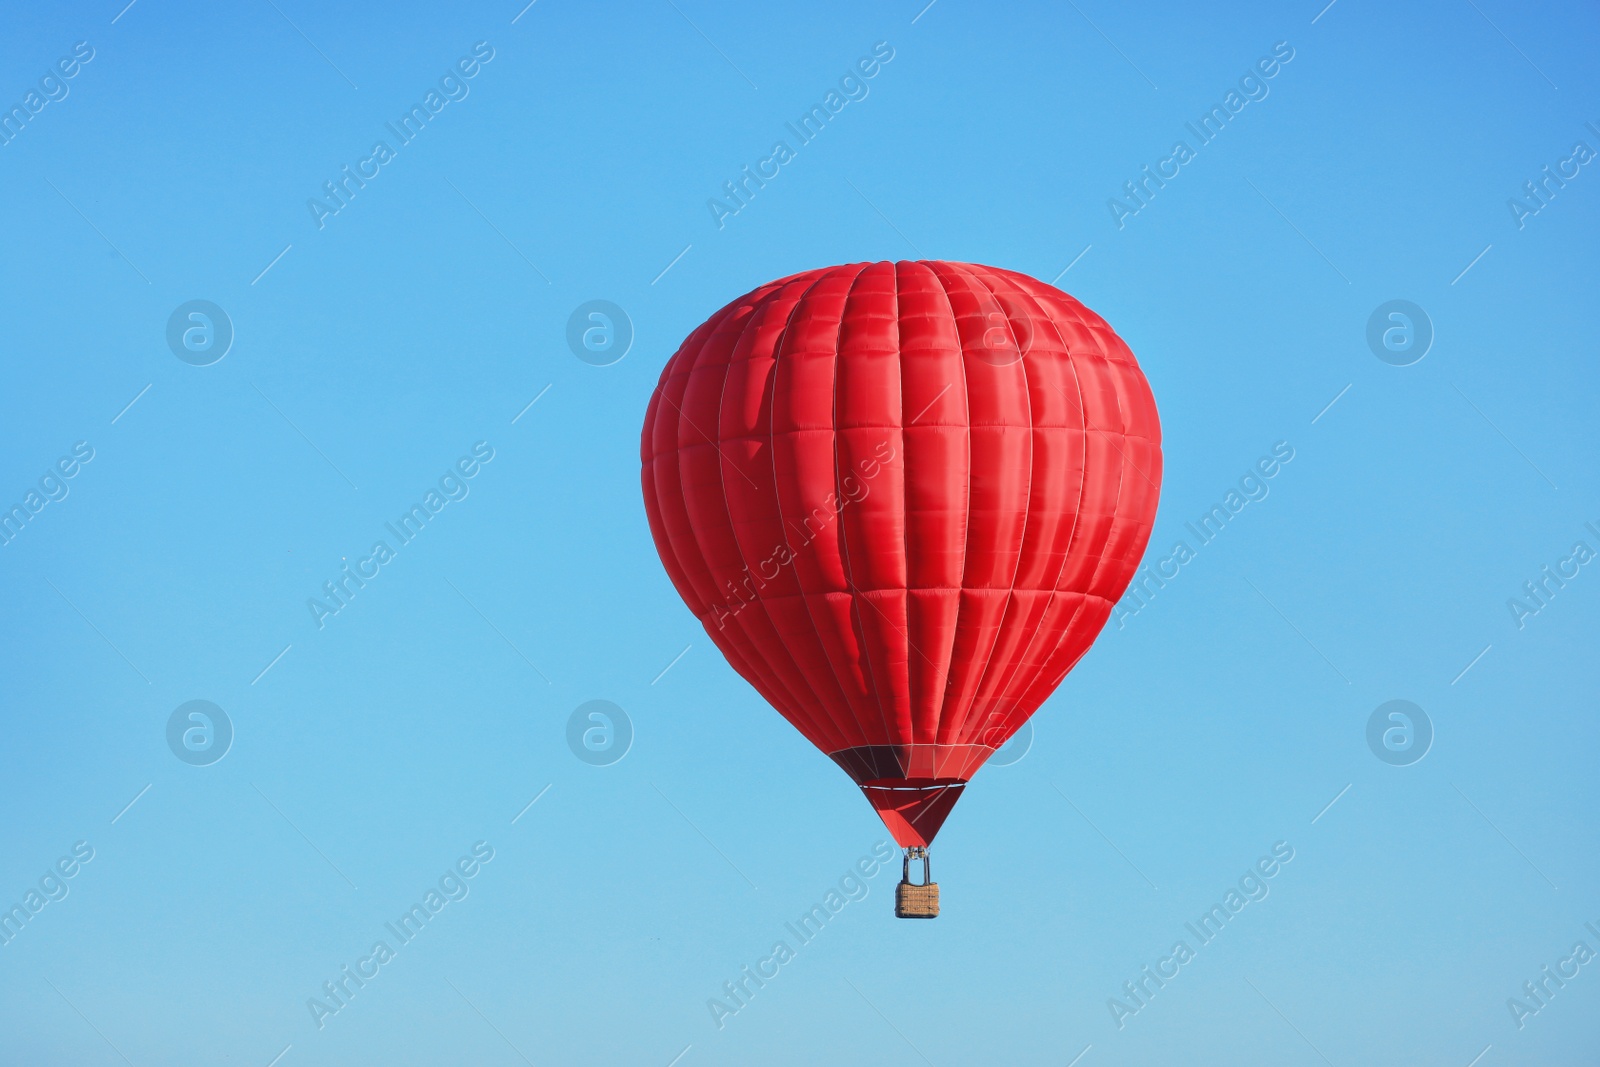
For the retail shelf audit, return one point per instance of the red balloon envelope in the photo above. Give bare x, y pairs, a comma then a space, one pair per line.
902, 499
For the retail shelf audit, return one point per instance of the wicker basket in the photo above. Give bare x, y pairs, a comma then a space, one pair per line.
916, 901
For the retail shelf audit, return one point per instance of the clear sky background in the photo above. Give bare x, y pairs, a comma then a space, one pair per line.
370, 354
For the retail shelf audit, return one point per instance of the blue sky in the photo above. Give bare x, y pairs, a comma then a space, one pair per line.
373, 353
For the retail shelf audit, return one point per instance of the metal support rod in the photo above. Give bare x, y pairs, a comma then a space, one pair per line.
912, 853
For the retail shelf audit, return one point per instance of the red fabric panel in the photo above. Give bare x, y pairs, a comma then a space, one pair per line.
913, 809
902, 499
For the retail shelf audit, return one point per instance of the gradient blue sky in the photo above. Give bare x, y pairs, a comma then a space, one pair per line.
426, 715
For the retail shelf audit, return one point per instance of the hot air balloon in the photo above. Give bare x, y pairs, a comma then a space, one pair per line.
902, 499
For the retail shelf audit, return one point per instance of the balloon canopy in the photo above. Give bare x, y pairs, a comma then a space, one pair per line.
902, 499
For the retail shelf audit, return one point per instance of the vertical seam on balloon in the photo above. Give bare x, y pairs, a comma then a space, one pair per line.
905, 524
911, 646
966, 503
1085, 595
905, 540
1053, 592
1116, 499
676, 567
1008, 683
680, 550
961, 723
1084, 458
977, 279
771, 676
1027, 390
934, 696
766, 679
795, 698
844, 732
905, 532
966, 532
840, 725
844, 542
